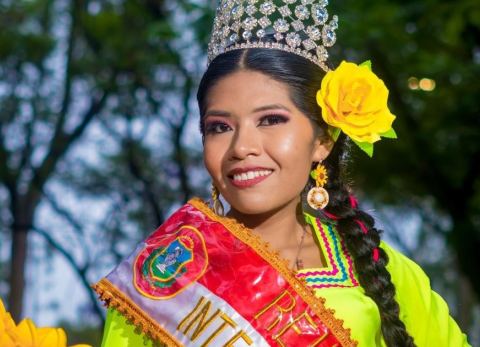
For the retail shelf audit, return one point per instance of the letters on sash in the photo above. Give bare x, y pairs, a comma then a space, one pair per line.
196, 321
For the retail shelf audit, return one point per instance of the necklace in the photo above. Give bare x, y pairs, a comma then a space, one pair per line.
299, 262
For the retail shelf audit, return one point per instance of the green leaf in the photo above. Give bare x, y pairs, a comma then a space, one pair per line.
367, 147
391, 134
334, 132
367, 63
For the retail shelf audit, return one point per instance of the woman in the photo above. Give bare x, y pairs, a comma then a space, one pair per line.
295, 262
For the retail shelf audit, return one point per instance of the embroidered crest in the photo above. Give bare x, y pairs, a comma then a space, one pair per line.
169, 263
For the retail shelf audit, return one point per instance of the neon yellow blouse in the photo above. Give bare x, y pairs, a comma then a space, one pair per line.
423, 311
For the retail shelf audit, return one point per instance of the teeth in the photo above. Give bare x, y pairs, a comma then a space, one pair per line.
250, 175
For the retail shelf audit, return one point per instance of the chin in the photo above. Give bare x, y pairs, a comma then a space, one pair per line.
251, 204
250, 209
257, 204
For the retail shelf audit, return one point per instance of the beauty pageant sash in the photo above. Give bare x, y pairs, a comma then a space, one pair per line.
204, 280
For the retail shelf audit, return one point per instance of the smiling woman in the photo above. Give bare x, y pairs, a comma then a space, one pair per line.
295, 261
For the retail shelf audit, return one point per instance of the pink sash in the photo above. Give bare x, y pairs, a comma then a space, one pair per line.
204, 280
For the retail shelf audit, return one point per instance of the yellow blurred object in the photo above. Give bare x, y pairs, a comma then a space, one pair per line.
26, 334
413, 83
427, 84
7, 328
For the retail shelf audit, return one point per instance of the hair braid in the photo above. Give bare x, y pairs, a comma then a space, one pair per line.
362, 242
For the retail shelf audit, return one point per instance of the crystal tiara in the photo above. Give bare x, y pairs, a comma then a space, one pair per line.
301, 27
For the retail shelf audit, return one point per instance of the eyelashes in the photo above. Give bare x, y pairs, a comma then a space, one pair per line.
219, 127
273, 119
216, 127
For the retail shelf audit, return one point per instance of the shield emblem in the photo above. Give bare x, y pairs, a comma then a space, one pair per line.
169, 264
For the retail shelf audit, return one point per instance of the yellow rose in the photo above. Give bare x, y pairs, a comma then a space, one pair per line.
354, 100
26, 334
7, 328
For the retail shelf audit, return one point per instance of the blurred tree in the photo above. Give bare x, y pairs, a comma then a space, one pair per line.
61, 61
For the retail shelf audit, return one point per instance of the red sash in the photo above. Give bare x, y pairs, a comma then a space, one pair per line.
204, 280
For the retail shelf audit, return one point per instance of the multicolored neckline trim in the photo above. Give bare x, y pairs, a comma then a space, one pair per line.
339, 271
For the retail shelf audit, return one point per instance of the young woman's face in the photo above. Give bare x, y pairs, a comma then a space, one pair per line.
258, 146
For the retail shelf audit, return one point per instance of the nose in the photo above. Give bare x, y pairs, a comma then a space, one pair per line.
245, 142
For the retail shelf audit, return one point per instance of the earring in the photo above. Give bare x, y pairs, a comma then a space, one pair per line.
216, 202
317, 196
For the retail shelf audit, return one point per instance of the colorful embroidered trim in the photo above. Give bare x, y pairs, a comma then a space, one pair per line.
338, 271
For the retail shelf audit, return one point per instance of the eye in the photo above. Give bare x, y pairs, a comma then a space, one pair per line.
273, 119
216, 128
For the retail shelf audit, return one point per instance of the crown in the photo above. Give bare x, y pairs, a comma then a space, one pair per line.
301, 27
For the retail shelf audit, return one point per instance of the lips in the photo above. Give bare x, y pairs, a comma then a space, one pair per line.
247, 177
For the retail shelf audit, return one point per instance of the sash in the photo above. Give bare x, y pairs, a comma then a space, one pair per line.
205, 280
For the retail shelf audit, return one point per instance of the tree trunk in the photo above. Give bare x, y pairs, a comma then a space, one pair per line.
23, 209
17, 270
466, 300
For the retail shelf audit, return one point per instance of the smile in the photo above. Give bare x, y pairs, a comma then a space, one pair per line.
249, 178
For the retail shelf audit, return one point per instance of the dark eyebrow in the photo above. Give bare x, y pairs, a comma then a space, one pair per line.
271, 107
217, 113
258, 109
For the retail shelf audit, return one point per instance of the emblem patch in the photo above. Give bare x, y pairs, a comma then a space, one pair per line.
170, 263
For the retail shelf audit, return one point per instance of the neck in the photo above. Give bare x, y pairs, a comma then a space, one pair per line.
278, 227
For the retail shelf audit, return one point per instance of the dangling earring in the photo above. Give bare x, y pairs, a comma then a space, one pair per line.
216, 202
317, 197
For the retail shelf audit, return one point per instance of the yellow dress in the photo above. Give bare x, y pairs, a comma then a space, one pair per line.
423, 311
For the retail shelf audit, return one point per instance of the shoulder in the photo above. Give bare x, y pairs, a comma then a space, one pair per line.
412, 285
402, 268
425, 314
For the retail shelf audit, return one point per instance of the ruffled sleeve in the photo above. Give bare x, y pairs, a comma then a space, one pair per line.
423, 311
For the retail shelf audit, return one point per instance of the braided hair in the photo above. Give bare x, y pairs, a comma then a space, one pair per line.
362, 239
355, 226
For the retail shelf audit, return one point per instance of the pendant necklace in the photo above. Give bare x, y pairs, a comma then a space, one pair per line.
299, 262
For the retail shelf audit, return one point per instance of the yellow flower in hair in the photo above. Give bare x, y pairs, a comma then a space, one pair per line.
354, 100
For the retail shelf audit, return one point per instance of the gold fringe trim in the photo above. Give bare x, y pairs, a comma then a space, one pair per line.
264, 249
114, 298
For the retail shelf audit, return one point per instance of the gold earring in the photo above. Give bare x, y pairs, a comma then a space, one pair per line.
317, 197
216, 202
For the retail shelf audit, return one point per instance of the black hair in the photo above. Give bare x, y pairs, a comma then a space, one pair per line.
303, 79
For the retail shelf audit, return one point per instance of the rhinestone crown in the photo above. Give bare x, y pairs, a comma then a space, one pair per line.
297, 26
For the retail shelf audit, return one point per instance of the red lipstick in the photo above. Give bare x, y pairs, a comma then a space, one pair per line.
248, 182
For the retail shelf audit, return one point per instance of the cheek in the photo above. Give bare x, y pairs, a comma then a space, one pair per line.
212, 158
294, 151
